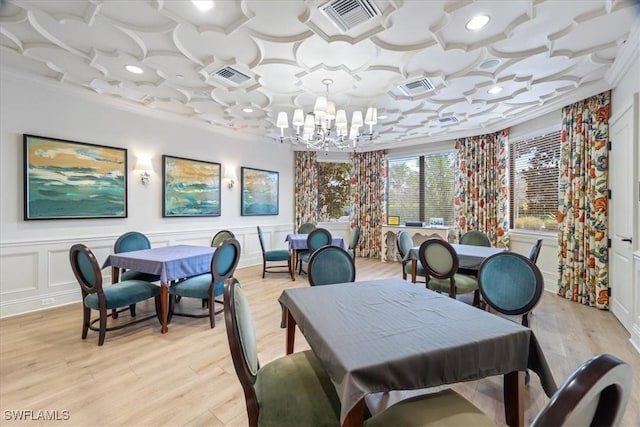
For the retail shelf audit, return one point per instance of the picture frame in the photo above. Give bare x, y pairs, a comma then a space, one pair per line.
73, 180
190, 188
393, 220
259, 192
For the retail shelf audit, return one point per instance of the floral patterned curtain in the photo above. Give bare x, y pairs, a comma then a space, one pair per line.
305, 188
582, 196
481, 186
369, 200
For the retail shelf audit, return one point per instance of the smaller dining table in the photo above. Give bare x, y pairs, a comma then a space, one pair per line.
169, 262
469, 258
299, 242
387, 334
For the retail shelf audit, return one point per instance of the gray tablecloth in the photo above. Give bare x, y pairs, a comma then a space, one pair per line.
299, 241
469, 257
170, 262
388, 334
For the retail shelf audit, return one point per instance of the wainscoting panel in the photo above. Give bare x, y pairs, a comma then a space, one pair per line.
37, 275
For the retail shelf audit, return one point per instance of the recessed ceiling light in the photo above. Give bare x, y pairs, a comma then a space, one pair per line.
179, 77
247, 110
477, 22
133, 69
489, 63
494, 90
203, 5
382, 117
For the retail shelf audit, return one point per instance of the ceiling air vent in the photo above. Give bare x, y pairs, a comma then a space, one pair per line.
448, 120
416, 87
347, 14
232, 75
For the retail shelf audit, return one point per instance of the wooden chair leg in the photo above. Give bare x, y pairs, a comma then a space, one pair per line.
86, 320
212, 314
264, 268
132, 310
172, 306
158, 309
103, 326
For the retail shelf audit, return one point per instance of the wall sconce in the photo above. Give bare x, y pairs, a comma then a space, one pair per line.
230, 177
145, 167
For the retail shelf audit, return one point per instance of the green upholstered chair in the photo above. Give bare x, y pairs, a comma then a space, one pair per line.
510, 284
404, 242
331, 264
117, 297
354, 238
293, 390
304, 228
210, 285
279, 256
220, 237
318, 238
475, 238
535, 250
595, 394
440, 261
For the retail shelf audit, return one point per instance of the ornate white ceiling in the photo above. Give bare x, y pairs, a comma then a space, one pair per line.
539, 52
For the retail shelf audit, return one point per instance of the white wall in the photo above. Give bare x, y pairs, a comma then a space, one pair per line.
34, 262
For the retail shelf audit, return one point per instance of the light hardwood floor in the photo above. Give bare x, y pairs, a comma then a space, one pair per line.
186, 378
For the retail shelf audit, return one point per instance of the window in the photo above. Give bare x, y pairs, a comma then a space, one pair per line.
421, 188
533, 181
333, 191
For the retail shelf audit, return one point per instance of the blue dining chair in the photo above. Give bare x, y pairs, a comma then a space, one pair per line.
210, 285
354, 238
305, 228
96, 297
329, 265
475, 238
318, 238
220, 237
269, 257
293, 390
535, 250
404, 242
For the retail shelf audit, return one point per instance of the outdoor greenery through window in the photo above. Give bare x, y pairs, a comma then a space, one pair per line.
333, 191
533, 178
420, 188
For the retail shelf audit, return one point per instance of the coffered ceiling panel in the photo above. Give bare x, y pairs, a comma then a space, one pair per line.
240, 63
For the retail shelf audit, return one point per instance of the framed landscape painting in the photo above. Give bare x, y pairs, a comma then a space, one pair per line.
259, 194
72, 180
190, 187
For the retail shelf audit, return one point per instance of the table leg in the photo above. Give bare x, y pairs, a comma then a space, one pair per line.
414, 270
294, 259
164, 303
355, 417
291, 332
514, 398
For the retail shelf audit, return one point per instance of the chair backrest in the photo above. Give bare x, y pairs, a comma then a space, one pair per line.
86, 269
535, 250
355, 237
225, 260
596, 394
318, 238
306, 228
242, 343
438, 258
510, 283
220, 237
404, 243
331, 264
475, 238
131, 241
261, 239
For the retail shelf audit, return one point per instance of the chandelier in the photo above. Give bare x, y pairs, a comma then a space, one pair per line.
327, 128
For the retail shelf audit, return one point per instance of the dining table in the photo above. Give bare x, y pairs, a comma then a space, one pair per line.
171, 263
298, 242
389, 335
469, 258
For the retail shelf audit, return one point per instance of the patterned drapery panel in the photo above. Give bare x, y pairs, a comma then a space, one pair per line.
306, 188
582, 197
369, 200
481, 198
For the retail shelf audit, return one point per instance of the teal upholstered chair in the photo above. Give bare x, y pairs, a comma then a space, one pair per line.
354, 238
96, 297
475, 238
440, 261
210, 285
293, 390
535, 250
595, 394
220, 237
305, 228
331, 264
318, 238
404, 243
274, 256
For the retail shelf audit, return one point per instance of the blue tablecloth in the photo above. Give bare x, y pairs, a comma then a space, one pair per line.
299, 241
